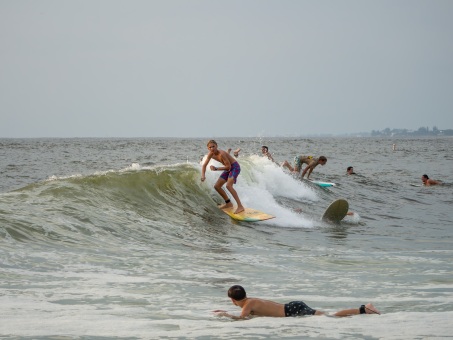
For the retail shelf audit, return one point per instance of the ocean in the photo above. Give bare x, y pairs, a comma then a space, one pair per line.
115, 238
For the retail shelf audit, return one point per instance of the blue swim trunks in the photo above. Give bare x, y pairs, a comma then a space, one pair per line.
234, 172
298, 308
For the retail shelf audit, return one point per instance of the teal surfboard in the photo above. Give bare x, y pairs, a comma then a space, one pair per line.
323, 184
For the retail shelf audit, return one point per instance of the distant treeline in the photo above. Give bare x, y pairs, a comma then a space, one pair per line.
423, 131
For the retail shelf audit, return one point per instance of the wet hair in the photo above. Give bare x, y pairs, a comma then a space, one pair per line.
212, 141
265, 147
237, 293
323, 158
349, 168
425, 176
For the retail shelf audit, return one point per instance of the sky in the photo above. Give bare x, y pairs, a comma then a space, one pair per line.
237, 68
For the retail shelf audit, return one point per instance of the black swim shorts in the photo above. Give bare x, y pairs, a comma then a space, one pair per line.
298, 308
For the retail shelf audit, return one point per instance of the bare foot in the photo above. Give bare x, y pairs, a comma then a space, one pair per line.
239, 209
236, 152
370, 309
226, 205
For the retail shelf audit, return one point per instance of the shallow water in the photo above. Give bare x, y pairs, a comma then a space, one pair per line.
103, 238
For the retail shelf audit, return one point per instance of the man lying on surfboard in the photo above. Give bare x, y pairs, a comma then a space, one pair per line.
311, 162
259, 307
231, 170
428, 181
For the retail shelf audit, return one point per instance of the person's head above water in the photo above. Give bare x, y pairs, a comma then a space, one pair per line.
237, 293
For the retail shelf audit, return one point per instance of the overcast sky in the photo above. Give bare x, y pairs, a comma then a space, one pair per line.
202, 68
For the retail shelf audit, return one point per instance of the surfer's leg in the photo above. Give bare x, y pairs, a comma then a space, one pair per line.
364, 309
218, 187
232, 176
233, 192
285, 164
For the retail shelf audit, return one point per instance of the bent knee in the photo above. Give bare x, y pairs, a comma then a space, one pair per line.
229, 185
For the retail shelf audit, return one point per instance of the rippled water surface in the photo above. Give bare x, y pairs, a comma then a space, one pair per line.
118, 238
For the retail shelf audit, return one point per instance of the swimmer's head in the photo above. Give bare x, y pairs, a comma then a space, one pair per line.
322, 160
264, 148
237, 293
425, 178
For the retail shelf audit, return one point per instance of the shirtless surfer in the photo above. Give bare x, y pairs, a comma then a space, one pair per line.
311, 162
428, 181
265, 152
231, 170
260, 307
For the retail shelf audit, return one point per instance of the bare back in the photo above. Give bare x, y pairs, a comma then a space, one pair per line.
260, 307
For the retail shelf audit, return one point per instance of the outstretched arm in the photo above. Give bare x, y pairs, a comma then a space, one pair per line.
231, 316
245, 314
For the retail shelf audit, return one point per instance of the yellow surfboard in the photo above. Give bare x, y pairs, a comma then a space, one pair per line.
336, 211
248, 215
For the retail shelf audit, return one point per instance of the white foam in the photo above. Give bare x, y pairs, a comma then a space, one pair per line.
260, 182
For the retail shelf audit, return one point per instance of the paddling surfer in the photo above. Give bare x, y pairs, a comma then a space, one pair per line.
231, 170
265, 152
428, 181
260, 307
311, 162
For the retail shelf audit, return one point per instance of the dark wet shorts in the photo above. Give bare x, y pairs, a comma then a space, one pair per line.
234, 172
298, 308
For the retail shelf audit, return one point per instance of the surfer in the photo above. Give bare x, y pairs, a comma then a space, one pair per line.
350, 170
428, 181
260, 307
231, 170
265, 152
311, 162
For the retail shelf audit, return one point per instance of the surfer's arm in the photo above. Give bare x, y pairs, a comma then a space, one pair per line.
203, 168
246, 313
235, 317
307, 168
